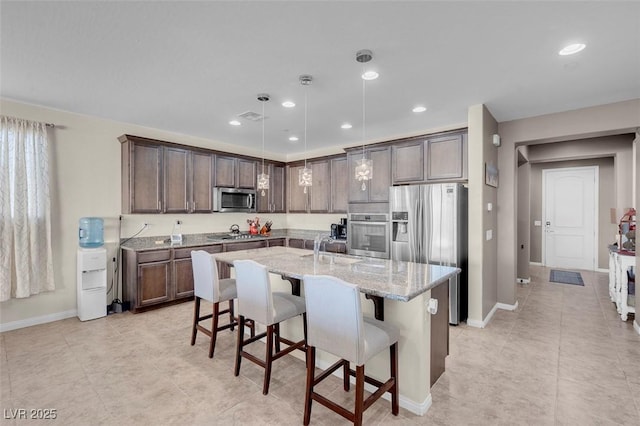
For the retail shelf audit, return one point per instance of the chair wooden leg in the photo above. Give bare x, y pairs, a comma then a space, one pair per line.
239, 345
345, 375
231, 316
276, 328
357, 420
268, 359
304, 327
311, 367
214, 329
196, 315
393, 356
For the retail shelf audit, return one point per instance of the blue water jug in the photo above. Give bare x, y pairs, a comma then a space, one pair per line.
91, 232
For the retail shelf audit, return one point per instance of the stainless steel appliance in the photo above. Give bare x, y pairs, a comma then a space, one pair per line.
368, 234
429, 225
234, 200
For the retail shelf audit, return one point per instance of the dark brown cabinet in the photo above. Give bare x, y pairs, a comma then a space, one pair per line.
297, 198
141, 177
326, 194
319, 193
274, 199
446, 157
339, 182
233, 172
376, 189
202, 182
176, 180
407, 162
158, 277
439, 331
164, 178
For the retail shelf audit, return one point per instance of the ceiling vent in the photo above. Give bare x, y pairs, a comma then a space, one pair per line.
251, 116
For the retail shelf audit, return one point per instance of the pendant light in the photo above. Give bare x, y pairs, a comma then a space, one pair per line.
263, 178
305, 176
364, 166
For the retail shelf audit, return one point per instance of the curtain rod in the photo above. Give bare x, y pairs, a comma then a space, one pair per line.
52, 125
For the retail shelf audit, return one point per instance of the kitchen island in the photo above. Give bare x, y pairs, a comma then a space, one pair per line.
404, 288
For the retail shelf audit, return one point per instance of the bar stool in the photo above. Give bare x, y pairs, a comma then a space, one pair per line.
256, 301
207, 286
336, 325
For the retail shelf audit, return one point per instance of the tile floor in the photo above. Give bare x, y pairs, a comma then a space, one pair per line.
562, 358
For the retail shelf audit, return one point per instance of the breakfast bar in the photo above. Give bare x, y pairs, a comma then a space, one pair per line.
402, 290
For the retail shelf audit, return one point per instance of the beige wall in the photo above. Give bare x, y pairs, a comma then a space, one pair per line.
482, 252
524, 219
636, 179
85, 181
611, 119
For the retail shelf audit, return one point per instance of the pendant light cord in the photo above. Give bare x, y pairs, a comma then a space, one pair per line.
263, 118
364, 86
305, 127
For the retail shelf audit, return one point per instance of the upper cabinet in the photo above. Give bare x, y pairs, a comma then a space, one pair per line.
159, 178
446, 157
273, 199
339, 177
407, 161
233, 172
430, 159
327, 191
142, 178
377, 189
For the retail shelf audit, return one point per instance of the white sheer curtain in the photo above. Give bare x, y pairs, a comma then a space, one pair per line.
26, 265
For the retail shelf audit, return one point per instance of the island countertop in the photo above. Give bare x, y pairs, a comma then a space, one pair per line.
390, 279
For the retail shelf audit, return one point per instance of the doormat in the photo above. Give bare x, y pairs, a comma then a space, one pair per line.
566, 277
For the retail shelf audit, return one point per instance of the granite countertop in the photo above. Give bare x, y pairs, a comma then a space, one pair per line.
391, 279
195, 240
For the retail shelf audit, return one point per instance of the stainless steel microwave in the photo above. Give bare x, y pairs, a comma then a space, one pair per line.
234, 200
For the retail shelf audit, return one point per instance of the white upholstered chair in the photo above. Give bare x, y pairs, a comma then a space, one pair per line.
208, 286
335, 324
258, 302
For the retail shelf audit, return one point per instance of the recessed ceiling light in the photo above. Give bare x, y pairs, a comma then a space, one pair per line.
234, 122
571, 49
419, 109
293, 138
346, 126
288, 104
370, 75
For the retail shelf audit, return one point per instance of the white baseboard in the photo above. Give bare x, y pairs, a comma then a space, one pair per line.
636, 326
606, 270
536, 263
506, 307
487, 319
419, 409
14, 325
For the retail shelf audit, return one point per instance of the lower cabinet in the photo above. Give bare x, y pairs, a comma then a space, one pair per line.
158, 277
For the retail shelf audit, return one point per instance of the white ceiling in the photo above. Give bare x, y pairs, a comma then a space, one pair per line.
190, 67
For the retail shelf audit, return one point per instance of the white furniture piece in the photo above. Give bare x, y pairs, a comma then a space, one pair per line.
207, 286
335, 324
258, 302
619, 284
92, 283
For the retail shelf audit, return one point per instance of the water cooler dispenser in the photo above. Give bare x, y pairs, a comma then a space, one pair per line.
92, 270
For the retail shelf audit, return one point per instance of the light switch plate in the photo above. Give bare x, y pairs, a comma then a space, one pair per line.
489, 234
537, 223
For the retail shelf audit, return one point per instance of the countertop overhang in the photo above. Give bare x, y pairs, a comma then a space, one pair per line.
390, 279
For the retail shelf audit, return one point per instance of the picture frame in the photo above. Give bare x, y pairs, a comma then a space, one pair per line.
490, 175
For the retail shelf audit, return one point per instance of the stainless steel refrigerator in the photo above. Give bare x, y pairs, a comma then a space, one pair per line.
429, 225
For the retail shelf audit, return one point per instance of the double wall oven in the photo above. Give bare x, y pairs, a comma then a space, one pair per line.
368, 234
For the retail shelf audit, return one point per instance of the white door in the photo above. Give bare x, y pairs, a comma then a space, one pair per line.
570, 217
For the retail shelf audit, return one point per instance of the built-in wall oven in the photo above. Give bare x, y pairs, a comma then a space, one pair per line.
368, 235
